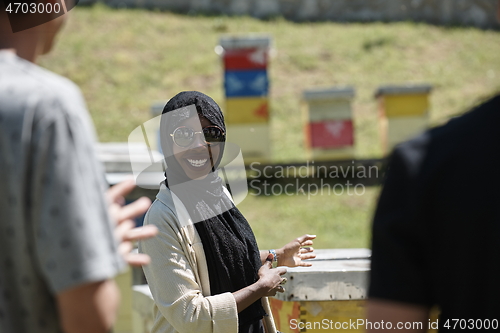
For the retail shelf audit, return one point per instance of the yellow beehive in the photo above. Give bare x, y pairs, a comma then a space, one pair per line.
318, 316
330, 316
327, 296
404, 112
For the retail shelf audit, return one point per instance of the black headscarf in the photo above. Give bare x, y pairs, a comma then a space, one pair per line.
230, 247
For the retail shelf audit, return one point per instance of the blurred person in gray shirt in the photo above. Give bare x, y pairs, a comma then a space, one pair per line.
59, 249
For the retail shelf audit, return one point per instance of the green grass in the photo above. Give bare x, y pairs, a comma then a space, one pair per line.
123, 60
338, 221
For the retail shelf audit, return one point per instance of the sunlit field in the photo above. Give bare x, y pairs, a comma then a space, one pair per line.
124, 60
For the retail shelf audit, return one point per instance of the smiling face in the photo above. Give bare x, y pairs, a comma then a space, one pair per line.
197, 160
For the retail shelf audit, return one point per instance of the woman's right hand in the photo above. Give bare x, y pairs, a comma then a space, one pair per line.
267, 285
270, 278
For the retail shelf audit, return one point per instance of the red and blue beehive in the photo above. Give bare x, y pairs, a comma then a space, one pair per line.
246, 86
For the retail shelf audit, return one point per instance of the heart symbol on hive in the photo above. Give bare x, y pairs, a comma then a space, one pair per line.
259, 83
335, 128
27, 14
262, 111
234, 84
258, 56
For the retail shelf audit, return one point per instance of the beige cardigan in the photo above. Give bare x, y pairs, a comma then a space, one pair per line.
178, 275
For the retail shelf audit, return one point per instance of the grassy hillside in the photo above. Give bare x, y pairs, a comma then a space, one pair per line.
125, 59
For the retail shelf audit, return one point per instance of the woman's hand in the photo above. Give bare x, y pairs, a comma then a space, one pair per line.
269, 283
270, 278
294, 253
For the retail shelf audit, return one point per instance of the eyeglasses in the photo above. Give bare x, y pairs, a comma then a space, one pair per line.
183, 136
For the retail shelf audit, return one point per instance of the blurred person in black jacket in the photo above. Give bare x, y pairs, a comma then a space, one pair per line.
436, 230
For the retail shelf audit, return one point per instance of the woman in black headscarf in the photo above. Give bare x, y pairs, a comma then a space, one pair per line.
207, 274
